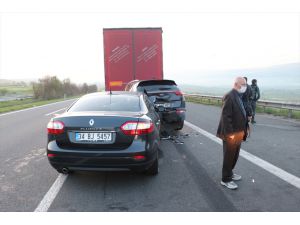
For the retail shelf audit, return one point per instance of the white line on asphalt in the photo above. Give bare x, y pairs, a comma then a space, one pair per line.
36, 107
289, 178
48, 114
51, 194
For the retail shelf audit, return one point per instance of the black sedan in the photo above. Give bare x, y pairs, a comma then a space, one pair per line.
106, 131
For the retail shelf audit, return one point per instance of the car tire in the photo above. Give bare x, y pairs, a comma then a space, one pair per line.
153, 169
179, 125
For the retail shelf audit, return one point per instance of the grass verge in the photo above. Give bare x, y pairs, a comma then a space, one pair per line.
13, 105
21, 90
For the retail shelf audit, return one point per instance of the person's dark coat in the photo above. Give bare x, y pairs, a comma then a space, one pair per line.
246, 98
255, 93
233, 120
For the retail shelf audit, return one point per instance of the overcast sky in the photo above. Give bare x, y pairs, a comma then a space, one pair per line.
70, 44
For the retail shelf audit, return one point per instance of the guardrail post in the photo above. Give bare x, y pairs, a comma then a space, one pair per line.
290, 113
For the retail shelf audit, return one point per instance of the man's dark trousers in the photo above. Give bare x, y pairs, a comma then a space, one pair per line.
231, 150
253, 105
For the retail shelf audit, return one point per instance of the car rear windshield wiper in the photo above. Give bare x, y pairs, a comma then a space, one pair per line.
163, 89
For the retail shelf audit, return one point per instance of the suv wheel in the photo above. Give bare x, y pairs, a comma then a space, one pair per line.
179, 125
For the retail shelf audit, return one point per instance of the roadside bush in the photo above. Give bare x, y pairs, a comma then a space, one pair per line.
50, 87
3, 92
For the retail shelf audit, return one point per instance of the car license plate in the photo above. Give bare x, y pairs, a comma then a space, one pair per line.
93, 137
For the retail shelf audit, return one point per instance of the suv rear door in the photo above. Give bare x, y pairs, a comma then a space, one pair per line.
163, 92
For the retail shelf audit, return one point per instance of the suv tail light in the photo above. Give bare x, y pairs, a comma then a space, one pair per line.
55, 127
179, 111
178, 93
137, 128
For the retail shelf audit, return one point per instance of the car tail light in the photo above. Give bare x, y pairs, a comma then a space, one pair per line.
178, 93
139, 157
50, 155
137, 128
179, 111
55, 127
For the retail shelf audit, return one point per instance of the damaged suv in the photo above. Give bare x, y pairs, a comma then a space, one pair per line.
166, 94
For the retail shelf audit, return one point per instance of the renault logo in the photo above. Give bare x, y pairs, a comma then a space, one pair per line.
92, 122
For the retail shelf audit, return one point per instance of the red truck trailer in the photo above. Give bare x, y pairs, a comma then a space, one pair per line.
131, 54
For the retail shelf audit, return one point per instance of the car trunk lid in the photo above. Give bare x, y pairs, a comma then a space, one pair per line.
95, 130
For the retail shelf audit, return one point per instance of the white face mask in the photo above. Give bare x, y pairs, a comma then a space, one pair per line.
242, 89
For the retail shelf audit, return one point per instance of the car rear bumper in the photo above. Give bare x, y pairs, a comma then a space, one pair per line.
173, 116
109, 160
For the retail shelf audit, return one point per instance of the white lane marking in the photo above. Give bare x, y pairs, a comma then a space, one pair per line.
282, 174
36, 107
51, 194
48, 114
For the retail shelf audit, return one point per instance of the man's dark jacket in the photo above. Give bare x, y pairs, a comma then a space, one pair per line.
232, 118
246, 98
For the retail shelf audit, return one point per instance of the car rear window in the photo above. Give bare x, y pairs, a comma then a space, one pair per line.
157, 88
125, 103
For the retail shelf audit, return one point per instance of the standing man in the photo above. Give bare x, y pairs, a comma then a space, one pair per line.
233, 129
255, 95
247, 101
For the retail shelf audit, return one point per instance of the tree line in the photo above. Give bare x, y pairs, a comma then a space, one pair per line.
50, 87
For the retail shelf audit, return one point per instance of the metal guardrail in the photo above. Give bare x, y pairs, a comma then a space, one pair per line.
14, 97
24, 97
263, 103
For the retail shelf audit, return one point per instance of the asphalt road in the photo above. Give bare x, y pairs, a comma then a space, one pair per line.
189, 178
